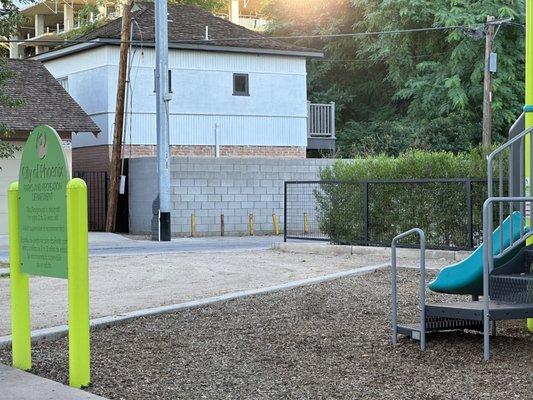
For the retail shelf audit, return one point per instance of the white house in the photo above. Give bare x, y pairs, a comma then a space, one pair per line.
39, 100
233, 89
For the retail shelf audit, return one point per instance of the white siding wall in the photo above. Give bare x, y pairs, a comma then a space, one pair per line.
273, 115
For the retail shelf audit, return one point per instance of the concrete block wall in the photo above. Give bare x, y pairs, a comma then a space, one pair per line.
209, 187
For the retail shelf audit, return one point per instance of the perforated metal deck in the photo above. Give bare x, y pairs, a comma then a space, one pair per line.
473, 310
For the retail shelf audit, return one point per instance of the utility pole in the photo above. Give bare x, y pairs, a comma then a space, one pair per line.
487, 88
163, 98
116, 156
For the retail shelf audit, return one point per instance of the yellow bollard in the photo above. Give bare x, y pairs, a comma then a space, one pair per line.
20, 293
78, 284
251, 224
306, 223
193, 225
275, 223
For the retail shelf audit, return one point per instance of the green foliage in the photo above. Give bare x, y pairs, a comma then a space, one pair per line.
440, 208
426, 85
212, 5
10, 20
414, 164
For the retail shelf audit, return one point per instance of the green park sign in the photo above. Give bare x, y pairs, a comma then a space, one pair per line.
43, 179
48, 237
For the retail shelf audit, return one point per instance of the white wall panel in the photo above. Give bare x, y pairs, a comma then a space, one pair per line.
273, 115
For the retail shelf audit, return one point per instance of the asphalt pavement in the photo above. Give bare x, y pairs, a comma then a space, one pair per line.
108, 244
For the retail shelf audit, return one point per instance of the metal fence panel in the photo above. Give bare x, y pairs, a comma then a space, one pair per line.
97, 184
373, 212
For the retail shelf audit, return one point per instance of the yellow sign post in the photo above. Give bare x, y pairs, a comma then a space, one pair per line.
44, 242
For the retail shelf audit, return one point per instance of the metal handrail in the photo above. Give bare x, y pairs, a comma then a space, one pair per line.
422, 289
488, 259
497, 152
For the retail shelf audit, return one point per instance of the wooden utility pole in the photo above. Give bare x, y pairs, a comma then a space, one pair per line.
116, 156
487, 88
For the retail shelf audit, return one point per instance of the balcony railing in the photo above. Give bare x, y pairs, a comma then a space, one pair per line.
321, 120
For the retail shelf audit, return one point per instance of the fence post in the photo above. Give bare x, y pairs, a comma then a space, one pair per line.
470, 219
332, 112
285, 211
365, 213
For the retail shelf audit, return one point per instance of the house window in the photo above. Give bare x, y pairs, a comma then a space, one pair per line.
63, 82
241, 85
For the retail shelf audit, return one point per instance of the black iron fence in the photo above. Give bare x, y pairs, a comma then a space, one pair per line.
371, 213
96, 197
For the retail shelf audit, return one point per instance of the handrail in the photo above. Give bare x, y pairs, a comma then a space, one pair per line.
488, 260
497, 152
507, 144
422, 290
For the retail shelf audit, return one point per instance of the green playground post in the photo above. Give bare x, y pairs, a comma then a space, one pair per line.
528, 108
20, 292
78, 284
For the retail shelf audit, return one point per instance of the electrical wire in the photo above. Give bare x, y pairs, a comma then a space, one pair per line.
202, 39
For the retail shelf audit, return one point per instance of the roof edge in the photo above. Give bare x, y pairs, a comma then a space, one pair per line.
61, 52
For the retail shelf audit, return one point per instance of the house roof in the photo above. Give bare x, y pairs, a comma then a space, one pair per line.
187, 28
43, 101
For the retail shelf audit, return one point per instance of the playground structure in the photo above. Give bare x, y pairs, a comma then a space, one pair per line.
500, 270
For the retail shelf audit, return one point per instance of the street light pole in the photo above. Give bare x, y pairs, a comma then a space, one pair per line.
163, 98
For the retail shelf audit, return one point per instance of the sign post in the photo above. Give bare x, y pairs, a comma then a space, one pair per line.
48, 236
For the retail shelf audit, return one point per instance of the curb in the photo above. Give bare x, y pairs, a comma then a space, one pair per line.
339, 250
58, 332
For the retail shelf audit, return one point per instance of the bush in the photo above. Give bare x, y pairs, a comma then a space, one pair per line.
454, 133
440, 208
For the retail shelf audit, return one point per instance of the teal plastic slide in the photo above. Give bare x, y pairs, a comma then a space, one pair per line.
466, 277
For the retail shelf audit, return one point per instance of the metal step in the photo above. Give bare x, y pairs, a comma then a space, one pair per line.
512, 288
436, 324
411, 331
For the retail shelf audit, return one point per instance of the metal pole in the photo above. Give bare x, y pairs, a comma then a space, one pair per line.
422, 294
528, 109
470, 223
394, 305
163, 98
487, 260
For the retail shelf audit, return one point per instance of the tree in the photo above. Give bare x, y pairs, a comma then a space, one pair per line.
212, 5
419, 89
10, 20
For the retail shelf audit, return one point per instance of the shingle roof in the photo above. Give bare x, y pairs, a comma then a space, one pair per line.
187, 25
44, 101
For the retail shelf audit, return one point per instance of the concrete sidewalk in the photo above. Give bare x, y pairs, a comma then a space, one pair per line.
20, 385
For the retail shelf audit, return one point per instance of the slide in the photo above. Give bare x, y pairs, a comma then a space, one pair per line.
466, 277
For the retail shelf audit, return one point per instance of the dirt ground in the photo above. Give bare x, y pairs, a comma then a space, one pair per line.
328, 341
121, 284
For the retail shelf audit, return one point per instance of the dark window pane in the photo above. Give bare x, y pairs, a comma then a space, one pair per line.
240, 84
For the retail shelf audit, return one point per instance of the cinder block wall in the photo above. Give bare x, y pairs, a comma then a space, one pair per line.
209, 187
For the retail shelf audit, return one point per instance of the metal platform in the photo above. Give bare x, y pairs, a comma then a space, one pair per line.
473, 310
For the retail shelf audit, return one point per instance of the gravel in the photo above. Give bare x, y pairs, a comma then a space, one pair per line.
329, 341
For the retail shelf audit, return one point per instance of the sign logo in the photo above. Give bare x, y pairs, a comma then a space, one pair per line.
41, 145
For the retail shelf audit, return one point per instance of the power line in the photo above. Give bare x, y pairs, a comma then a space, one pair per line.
202, 39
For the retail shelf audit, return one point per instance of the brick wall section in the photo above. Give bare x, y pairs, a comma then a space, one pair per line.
98, 158
209, 187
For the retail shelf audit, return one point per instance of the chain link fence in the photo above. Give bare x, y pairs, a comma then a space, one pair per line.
371, 213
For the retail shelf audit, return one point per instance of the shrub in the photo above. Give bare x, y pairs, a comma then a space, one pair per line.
440, 208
